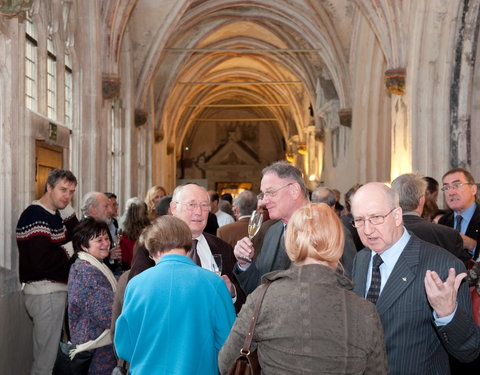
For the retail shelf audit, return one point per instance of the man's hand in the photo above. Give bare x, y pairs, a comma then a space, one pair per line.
230, 286
116, 253
244, 251
468, 242
442, 296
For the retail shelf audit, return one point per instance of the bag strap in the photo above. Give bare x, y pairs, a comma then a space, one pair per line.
245, 351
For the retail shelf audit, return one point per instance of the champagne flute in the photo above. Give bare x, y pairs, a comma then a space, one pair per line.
253, 227
254, 224
116, 242
217, 264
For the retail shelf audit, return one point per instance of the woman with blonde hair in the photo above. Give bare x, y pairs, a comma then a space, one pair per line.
310, 321
154, 194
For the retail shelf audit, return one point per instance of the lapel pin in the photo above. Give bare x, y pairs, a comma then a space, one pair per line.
404, 278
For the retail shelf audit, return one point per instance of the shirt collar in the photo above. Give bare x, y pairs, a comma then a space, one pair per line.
391, 255
468, 213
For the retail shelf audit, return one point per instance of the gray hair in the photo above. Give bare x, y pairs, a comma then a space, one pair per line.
285, 170
178, 191
89, 199
324, 195
410, 188
246, 202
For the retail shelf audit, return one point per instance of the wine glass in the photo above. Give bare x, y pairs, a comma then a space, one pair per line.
253, 227
217, 264
254, 224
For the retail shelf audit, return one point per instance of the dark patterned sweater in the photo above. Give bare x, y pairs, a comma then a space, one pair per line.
41, 234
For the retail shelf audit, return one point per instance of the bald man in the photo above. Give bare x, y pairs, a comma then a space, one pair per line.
424, 318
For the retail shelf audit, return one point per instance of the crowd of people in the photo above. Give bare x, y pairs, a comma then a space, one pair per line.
373, 287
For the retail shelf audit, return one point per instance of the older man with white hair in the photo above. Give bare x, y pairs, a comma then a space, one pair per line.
424, 318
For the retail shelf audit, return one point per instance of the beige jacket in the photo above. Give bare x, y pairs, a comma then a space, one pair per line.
310, 323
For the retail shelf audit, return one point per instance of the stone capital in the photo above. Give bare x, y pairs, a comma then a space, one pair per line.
395, 81
345, 117
110, 86
15, 8
141, 117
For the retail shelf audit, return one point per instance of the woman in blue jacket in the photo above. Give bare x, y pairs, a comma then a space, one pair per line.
176, 315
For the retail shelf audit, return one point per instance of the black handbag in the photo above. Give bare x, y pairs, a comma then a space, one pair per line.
247, 363
77, 366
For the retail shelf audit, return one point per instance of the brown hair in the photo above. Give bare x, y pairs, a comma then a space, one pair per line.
468, 176
315, 231
167, 233
87, 230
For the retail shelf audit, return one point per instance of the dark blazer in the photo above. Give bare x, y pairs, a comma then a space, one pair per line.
271, 257
347, 222
233, 232
141, 262
439, 235
349, 252
414, 344
212, 224
472, 229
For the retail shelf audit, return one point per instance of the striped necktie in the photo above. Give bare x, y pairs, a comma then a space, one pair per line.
458, 222
374, 290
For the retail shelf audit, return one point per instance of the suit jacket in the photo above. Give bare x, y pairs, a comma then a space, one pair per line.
439, 235
472, 229
347, 222
212, 224
141, 262
271, 257
233, 232
415, 345
349, 252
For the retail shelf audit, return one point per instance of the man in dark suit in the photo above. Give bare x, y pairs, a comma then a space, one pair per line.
283, 192
191, 203
243, 206
423, 317
459, 188
411, 189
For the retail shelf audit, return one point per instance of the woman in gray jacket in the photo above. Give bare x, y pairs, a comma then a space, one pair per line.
310, 322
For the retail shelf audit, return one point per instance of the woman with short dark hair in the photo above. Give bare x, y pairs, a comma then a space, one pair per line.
91, 288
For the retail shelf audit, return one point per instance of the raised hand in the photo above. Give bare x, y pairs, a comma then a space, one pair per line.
442, 296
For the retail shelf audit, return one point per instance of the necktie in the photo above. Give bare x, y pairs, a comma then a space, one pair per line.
458, 222
193, 254
374, 290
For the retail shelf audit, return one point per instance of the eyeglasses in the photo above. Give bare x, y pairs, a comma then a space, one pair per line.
271, 193
455, 186
193, 206
374, 220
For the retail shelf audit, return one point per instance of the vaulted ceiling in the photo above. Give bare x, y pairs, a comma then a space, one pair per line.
203, 60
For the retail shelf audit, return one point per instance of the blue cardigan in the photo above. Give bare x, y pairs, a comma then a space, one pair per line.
175, 318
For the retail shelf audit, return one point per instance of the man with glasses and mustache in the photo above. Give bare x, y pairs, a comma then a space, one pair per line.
282, 192
425, 309
459, 188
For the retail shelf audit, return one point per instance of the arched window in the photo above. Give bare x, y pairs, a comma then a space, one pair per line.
31, 56
51, 79
68, 90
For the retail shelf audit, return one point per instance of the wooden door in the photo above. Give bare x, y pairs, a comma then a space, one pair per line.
48, 158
